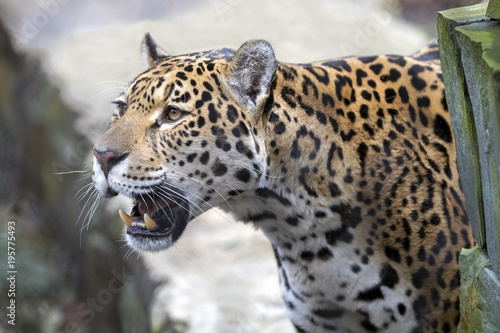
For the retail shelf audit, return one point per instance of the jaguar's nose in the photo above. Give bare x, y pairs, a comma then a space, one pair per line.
108, 159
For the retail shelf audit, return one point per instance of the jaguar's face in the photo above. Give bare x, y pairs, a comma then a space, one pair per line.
184, 139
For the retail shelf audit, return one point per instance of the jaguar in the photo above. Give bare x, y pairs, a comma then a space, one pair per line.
348, 166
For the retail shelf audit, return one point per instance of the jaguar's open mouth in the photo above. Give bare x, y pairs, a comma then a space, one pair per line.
156, 216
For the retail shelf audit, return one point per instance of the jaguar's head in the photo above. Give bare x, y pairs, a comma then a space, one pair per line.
186, 136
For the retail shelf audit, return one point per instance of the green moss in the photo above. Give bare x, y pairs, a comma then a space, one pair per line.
493, 10
480, 294
487, 34
464, 14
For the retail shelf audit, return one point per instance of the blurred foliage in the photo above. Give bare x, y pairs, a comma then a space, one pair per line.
65, 282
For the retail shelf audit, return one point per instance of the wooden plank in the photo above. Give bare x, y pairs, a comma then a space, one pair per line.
481, 63
462, 118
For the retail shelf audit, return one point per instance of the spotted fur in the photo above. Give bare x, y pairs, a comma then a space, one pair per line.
348, 166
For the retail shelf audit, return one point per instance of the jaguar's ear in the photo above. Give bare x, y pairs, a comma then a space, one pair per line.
150, 51
250, 73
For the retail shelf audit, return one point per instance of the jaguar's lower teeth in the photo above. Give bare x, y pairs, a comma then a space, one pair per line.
149, 223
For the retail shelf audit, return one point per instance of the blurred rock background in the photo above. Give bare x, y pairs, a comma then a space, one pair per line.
68, 60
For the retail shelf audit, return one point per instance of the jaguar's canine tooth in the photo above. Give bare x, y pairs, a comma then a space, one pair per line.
127, 219
150, 223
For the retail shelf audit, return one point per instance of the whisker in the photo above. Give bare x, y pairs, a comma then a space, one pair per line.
97, 202
130, 252
108, 81
84, 177
84, 188
95, 198
163, 208
106, 90
171, 217
180, 196
208, 204
234, 189
88, 217
94, 192
173, 196
204, 184
257, 170
69, 172
153, 202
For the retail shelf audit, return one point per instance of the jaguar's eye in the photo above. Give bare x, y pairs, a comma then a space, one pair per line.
170, 115
121, 106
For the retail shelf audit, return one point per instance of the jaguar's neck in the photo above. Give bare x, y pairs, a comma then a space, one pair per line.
303, 193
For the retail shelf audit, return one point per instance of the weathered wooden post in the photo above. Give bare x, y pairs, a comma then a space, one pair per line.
469, 39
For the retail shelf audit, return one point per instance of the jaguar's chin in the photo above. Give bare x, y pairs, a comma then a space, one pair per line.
156, 222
